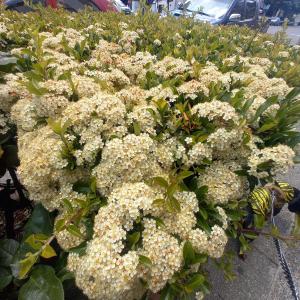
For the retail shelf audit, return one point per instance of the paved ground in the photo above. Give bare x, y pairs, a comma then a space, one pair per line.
260, 276
292, 31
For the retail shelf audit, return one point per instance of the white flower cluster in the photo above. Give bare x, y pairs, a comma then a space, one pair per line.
105, 260
126, 124
280, 158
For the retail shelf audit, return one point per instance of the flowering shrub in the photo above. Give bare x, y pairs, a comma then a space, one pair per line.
146, 137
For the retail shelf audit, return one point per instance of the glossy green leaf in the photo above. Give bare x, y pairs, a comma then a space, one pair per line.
39, 222
23, 267
48, 252
42, 285
8, 249
5, 278
133, 239
80, 249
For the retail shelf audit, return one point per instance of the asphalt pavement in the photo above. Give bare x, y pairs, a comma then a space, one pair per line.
293, 33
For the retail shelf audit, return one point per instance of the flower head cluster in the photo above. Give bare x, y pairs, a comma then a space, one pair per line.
164, 125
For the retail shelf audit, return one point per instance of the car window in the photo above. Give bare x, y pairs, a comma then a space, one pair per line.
238, 8
250, 9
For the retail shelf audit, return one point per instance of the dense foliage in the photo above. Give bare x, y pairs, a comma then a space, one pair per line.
143, 137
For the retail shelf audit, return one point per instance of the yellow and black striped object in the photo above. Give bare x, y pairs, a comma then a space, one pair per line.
260, 200
287, 190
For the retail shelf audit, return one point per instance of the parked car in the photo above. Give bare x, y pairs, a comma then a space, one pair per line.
222, 12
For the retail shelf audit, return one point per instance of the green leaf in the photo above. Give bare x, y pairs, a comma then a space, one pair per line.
167, 293
184, 174
73, 229
82, 187
59, 224
39, 222
259, 221
194, 283
5, 278
160, 182
34, 242
34, 88
42, 285
159, 222
144, 260
203, 213
8, 249
293, 93
68, 205
172, 189
267, 126
133, 239
23, 267
270, 101
174, 204
48, 252
201, 192
93, 185
188, 253
200, 258
159, 202
64, 274
55, 126
136, 128
80, 249
251, 236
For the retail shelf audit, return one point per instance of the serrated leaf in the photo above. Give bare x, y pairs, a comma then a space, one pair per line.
42, 285
48, 252
144, 260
